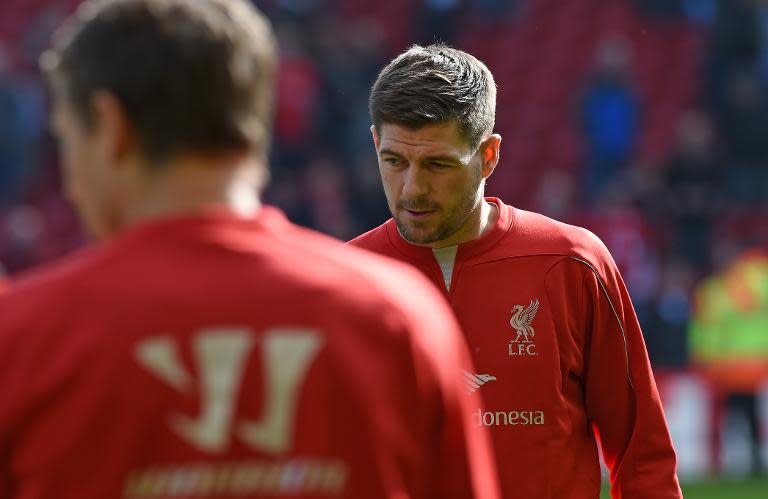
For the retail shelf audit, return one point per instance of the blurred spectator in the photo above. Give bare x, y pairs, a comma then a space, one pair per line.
734, 46
23, 230
610, 117
11, 133
661, 9
498, 8
298, 94
729, 338
693, 183
367, 201
736, 33
298, 7
349, 57
36, 36
632, 242
666, 329
556, 195
22, 114
326, 193
744, 128
438, 20
761, 14
286, 192
701, 12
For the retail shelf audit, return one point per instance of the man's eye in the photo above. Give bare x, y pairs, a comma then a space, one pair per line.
440, 165
392, 161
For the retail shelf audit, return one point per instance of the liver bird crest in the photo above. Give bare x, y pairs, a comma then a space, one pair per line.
522, 318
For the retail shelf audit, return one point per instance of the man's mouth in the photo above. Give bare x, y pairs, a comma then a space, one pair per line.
419, 213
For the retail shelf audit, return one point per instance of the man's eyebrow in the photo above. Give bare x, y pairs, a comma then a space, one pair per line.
389, 152
445, 158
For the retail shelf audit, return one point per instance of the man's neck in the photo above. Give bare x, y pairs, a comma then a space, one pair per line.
193, 186
487, 216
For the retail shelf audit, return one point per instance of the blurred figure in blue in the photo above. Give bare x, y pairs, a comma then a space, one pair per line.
666, 329
11, 133
610, 117
701, 12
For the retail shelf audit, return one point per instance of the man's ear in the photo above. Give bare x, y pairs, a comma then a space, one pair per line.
113, 125
490, 149
376, 138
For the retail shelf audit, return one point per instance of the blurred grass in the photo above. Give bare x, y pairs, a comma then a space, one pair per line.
747, 488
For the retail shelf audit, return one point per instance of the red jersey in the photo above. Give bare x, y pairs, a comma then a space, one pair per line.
560, 359
219, 357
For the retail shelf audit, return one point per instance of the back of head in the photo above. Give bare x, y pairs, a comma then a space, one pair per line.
435, 84
192, 75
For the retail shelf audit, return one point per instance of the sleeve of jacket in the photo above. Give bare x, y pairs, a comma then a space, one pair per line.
621, 398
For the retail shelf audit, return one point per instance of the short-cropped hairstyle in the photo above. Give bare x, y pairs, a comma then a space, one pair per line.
434, 84
192, 75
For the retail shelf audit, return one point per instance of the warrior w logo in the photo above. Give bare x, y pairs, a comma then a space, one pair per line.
522, 322
221, 355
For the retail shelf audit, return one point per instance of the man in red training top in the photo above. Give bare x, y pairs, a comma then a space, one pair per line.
209, 348
560, 359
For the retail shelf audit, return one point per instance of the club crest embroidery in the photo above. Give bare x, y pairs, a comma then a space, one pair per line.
522, 322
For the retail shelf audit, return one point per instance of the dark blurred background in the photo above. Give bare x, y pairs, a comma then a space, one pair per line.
645, 121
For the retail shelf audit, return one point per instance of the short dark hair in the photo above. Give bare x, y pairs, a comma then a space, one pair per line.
433, 84
192, 75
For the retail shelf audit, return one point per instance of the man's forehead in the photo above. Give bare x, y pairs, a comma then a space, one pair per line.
442, 137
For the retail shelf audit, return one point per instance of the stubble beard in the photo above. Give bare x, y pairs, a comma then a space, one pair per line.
445, 228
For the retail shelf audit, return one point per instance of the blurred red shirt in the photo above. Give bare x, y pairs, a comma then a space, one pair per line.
216, 356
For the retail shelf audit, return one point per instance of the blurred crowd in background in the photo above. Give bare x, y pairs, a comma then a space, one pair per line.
643, 120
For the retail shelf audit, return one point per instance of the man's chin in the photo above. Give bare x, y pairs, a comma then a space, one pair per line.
417, 235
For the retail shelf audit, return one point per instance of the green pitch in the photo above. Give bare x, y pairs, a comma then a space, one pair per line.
748, 488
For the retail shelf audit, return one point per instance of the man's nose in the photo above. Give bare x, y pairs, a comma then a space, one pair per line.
415, 183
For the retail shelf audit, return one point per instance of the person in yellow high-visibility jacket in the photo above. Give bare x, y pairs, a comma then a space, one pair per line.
728, 338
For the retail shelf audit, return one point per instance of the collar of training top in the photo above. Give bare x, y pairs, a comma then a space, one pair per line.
467, 249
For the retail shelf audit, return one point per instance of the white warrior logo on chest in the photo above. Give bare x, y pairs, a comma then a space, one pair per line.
522, 322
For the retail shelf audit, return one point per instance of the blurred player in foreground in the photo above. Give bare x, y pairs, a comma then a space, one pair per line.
560, 358
208, 348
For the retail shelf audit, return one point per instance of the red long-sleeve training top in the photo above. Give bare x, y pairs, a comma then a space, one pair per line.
559, 355
211, 356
